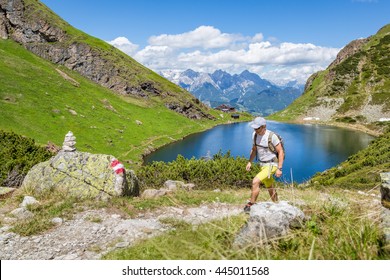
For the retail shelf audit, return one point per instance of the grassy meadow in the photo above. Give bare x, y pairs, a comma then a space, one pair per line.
342, 225
44, 101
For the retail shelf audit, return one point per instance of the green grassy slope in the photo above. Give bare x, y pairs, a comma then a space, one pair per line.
361, 170
37, 101
57, 41
358, 80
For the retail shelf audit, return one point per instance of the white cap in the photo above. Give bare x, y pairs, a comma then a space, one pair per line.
257, 122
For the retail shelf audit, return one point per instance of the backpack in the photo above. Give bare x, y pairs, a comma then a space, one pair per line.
271, 147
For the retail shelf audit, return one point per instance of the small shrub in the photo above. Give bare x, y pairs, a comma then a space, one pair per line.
17, 155
222, 171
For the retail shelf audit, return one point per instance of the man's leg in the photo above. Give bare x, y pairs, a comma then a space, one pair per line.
254, 194
269, 183
273, 194
255, 190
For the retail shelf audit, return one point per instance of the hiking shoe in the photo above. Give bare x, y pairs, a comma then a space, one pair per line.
247, 207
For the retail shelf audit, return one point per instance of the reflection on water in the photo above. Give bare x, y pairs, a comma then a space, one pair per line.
309, 148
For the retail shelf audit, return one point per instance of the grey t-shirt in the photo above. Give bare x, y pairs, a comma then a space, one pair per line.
263, 152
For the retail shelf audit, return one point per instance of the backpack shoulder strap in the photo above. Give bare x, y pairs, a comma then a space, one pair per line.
254, 139
254, 143
270, 145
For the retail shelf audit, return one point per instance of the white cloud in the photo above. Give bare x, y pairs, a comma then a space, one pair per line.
206, 37
282, 75
258, 38
124, 45
207, 49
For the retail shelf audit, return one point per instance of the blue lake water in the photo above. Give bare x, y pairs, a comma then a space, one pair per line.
309, 148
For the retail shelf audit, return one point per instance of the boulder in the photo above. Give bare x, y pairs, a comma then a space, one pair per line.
169, 187
174, 185
385, 210
268, 220
22, 213
153, 193
81, 174
385, 189
28, 200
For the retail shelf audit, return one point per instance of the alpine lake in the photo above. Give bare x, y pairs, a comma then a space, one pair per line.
310, 148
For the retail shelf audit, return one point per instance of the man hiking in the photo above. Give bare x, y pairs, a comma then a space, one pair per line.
268, 148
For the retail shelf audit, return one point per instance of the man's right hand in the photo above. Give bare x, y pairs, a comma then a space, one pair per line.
248, 166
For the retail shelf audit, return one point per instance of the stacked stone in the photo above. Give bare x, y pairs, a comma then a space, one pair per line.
69, 142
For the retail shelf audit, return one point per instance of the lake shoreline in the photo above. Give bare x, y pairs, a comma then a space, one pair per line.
355, 127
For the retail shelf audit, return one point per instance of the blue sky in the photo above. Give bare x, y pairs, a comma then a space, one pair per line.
280, 40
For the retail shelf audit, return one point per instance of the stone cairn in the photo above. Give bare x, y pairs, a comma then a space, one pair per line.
69, 142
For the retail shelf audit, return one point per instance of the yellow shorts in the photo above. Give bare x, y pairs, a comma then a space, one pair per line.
266, 174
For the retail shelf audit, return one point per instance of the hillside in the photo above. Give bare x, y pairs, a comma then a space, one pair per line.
44, 98
39, 30
361, 170
44, 101
354, 89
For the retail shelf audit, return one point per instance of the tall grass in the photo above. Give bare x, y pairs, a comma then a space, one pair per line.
341, 226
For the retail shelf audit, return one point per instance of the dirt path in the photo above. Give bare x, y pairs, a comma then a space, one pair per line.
93, 233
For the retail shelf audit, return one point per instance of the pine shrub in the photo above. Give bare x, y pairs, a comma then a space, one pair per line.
222, 170
17, 155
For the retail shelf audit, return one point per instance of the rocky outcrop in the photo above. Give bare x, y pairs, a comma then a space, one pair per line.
349, 50
269, 220
187, 109
30, 25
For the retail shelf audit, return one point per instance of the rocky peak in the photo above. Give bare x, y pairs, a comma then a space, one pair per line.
349, 50
191, 73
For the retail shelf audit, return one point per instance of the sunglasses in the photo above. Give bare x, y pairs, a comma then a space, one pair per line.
260, 127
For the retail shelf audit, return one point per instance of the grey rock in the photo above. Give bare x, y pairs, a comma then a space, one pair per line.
28, 200
385, 189
153, 193
57, 221
122, 244
269, 220
174, 185
22, 214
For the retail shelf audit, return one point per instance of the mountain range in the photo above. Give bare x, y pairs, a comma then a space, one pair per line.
245, 91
